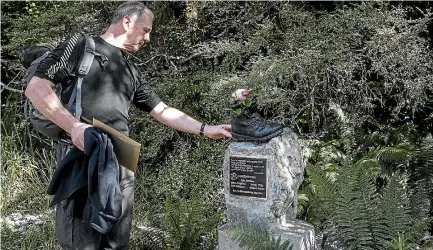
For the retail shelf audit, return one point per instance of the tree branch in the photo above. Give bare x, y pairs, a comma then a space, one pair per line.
4, 86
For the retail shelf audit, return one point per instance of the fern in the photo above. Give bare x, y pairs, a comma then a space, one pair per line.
184, 226
421, 180
253, 237
384, 161
391, 158
154, 238
369, 217
357, 215
323, 187
397, 214
186, 221
406, 214
422, 166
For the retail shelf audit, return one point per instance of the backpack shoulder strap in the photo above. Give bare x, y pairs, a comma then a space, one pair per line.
89, 54
83, 70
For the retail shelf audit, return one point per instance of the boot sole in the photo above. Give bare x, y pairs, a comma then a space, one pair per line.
238, 137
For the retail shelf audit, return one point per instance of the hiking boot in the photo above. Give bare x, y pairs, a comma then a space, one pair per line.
250, 126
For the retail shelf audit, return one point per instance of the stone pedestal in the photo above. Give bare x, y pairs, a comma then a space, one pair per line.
261, 182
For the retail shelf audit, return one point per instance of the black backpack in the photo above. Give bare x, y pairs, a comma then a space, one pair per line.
30, 56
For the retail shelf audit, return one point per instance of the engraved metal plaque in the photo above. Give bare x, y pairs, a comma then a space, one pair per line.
248, 176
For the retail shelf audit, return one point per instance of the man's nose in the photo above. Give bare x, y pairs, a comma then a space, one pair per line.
146, 38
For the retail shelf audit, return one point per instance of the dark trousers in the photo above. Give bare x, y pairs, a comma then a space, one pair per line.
72, 233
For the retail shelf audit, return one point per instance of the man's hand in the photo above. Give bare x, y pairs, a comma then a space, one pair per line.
218, 131
77, 135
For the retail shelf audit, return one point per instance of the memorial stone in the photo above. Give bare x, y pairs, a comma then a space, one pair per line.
261, 182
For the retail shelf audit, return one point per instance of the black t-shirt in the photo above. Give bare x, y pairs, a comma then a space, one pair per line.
108, 90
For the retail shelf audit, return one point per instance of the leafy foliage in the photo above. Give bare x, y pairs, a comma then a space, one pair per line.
254, 237
185, 225
153, 238
370, 197
367, 218
401, 243
353, 77
187, 222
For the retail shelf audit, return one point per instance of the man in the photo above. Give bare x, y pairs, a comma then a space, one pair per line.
107, 92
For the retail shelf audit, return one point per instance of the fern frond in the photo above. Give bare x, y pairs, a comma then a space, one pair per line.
357, 215
369, 165
416, 232
386, 160
323, 187
187, 222
420, 200
421, 180
278, 244
154, 238
247, 235
253, 237
395, 207
422, 166
368, 217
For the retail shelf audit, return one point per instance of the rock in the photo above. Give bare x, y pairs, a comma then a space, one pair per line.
261, 182
22, 222
284, 172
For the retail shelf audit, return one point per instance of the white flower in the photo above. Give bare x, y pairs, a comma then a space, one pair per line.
240, 94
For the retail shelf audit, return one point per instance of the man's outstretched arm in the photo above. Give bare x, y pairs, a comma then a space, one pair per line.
42, 96
180, 121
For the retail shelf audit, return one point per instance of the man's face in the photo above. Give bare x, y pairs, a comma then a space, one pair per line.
138, 32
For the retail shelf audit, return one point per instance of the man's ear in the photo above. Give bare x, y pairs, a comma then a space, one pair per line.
127, 21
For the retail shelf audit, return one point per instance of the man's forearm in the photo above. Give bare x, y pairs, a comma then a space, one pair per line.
176, 119
45, 100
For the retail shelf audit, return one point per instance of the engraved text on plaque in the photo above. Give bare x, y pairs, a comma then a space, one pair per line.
248, 176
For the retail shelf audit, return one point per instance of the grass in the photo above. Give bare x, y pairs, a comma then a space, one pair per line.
37, 237
23, 189
23, 182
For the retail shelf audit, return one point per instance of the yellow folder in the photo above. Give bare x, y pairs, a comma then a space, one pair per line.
126, 149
